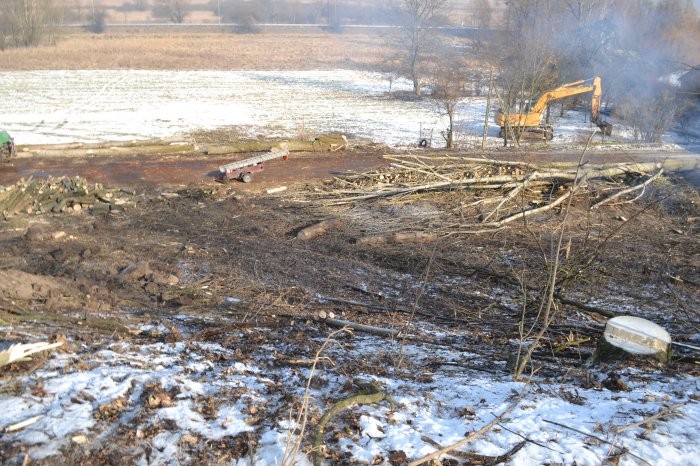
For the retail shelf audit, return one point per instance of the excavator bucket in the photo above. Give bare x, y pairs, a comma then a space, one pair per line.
605, 127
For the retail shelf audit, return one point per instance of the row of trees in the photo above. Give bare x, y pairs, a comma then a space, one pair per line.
28, 22
635, 45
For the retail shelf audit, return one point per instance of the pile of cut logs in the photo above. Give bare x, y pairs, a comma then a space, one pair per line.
56, 195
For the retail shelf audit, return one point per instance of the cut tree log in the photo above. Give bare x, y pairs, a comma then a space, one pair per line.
413, 237
325, 143
319, 229
53, 195
409, 237
385, 332
144, 149
633, 337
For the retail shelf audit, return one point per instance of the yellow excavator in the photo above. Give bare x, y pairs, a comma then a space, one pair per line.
530, 118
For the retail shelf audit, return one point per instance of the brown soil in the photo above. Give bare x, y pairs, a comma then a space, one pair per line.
242, 242
154, 170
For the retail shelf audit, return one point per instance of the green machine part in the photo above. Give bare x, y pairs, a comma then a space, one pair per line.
7, 146
5, 137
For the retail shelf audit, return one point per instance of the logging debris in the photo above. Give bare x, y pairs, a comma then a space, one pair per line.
20, 352
57, 195
505, 191
370, 394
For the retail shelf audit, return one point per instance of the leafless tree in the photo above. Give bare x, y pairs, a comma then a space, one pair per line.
25, 23
175, 10
417, 16
450, 79
97, 23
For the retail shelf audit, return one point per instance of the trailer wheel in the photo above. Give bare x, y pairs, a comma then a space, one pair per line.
246, 178
423, 143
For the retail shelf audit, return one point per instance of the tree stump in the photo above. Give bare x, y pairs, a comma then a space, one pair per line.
633, 337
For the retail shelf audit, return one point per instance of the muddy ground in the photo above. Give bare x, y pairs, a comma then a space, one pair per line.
227, 256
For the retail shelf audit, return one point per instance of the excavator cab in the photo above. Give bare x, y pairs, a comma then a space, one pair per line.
524, 105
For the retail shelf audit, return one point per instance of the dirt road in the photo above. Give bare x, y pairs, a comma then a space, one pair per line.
184, 169
195, 168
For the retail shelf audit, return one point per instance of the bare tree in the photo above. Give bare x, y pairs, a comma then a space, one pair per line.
97, 23
175, 10
25, 23
450, 79
652, 39
482, 14
417, 15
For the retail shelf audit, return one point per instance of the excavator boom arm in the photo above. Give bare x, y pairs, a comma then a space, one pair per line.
567, 90
533, 118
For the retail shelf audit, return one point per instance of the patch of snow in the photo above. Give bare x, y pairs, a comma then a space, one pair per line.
445, 409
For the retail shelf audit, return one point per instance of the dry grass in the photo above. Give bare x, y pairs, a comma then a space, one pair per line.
179, 49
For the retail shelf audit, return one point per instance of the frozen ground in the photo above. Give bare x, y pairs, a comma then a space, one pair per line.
67, 106
561, 423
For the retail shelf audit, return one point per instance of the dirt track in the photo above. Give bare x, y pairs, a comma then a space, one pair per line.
182, 170
168, 170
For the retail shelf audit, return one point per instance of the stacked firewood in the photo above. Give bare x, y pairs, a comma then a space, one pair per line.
57, 195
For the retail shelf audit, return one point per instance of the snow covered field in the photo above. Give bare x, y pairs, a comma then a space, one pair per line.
63, 106
91, 106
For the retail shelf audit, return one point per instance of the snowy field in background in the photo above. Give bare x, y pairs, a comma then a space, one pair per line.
92, 106
66, 106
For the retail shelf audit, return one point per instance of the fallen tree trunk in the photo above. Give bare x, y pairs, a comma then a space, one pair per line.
326, 143
323, 143
384, 332
112, 150
319, 229
411, 237
100, 145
